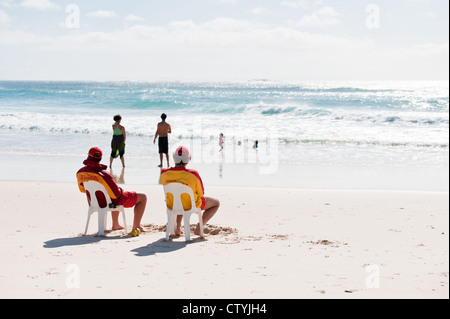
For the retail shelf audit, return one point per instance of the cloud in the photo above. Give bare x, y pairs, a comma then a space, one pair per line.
324, 17
221, 35
215, 35
226, 48
102, 14
40, 5
4, 18
7, 3
22, 38
295, 4
259, 10
133, 18
225, 1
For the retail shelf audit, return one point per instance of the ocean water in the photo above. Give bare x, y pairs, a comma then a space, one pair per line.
362, 124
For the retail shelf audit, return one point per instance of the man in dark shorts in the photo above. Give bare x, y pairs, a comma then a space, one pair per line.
163, 130
94, 171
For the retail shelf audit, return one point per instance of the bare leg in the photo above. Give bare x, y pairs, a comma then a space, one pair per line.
167, 157
123, 161
139, 211
115, 221
212, 205
111, 159
178, 227
160, 160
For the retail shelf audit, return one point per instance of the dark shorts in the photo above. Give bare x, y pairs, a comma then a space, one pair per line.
128, 199
117, 146
163, 143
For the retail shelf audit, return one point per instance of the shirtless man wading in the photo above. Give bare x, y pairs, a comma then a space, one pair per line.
163, 132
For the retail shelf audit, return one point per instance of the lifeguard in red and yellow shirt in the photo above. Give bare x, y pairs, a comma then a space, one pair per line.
95, 171
191, 178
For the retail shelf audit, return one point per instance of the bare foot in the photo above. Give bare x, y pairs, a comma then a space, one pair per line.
117, 227
178, 231
197, 231
142, 229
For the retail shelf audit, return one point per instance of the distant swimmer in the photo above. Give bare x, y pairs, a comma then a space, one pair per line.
221, 142
163, 132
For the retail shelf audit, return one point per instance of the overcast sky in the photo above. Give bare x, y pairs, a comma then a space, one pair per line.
196, 40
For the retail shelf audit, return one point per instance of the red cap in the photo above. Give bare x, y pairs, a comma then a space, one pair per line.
96, 153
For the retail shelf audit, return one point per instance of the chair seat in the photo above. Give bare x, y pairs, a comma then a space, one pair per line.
92, 188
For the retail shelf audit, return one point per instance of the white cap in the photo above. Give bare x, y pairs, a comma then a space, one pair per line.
181, 154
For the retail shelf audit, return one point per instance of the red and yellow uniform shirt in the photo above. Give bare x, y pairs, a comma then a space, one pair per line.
94, 171
187, 177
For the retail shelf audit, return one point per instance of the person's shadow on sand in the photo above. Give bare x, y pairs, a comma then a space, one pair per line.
162, 246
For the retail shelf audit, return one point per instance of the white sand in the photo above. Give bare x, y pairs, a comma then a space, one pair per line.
287, 244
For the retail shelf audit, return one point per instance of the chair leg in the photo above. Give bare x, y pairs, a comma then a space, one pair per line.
87, 223
101, 223
169, 225
124, 221
187, 227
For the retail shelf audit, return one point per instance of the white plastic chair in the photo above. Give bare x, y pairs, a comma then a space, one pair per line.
177, 189
94, 187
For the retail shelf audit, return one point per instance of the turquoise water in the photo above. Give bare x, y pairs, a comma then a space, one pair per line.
326, 123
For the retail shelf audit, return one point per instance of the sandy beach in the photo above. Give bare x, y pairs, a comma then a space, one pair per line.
322, 127
263, 243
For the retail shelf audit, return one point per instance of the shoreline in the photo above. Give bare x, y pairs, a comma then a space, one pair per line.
244, 187
298, 176
273, 243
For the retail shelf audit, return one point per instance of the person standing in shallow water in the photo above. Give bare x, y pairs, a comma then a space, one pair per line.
221, 142
163, 130
118, 141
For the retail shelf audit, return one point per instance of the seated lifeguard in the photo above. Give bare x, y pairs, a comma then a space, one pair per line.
191, 178
95, 171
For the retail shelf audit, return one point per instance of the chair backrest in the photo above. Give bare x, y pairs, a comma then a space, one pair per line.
178, 189
93, 188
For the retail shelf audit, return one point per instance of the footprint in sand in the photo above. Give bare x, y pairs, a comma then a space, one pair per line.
211, 230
